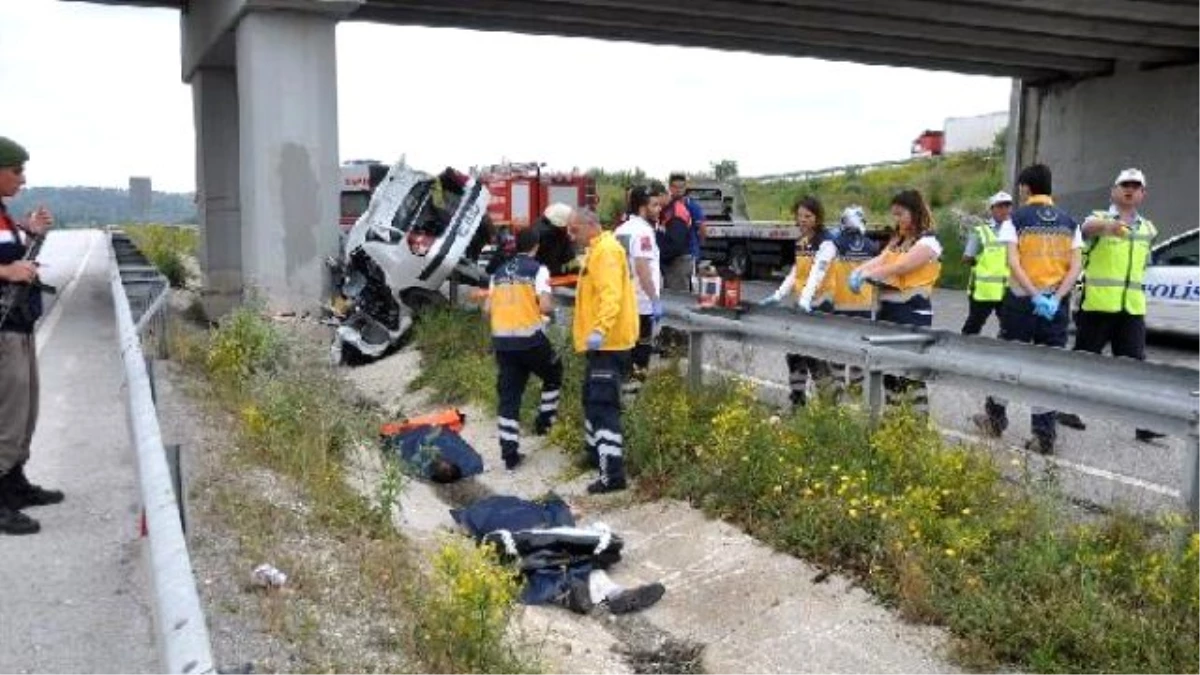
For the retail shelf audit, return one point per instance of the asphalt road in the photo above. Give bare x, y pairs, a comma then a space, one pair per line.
73, 596
1102, 464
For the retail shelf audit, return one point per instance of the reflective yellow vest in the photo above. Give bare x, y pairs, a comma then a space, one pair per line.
990, 273
1115, 267
516, 313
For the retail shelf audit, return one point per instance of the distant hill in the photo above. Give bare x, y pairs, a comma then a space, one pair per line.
88, 206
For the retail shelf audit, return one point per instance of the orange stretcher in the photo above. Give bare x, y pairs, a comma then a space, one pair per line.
450, 418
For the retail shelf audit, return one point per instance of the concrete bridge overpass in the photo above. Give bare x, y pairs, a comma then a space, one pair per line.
1098, 84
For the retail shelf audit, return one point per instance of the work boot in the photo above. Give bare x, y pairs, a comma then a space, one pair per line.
24, 494
578, 598
1040, 445
636, 599
1147, 436
987, 426
13, 521
1070, 420
511, 462
601, 486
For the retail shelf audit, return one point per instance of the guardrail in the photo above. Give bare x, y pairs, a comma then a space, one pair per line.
140, 294
1144, 394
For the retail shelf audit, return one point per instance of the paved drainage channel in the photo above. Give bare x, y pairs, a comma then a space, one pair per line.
645, 647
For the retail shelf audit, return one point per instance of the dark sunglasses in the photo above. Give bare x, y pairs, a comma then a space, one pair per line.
1130, 185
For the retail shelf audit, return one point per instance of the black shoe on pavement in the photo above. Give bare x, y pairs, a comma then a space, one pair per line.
600, 487
1070, 420
13, 521
1147, 436
513, 461
1039, 445
636, 599
23, 494
987, 426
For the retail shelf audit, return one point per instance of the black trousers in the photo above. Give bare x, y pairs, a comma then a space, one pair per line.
602, 412
1125, 332
978, 312
642, 351
514, 369
1018, 323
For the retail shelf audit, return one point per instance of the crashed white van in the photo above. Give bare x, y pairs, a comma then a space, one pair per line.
397, 256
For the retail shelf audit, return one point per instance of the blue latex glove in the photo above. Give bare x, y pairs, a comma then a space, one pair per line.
1036, 305
856, 281
1049, 306
595, 340
656, 310
769, 301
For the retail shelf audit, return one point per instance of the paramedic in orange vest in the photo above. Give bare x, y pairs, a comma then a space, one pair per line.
1044, 260
605, 330
518, 301
18, 352
910, 267
811, 291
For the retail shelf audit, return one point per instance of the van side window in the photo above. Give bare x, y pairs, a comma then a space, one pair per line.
1182, 253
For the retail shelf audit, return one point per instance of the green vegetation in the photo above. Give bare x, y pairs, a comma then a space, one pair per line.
93, 206
930, 528
167, 247
293, 415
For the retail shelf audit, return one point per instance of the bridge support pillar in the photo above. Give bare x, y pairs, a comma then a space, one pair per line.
215, 100
287, 96
1087, 130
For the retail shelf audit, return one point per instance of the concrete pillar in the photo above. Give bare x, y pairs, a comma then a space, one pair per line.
287, 93
215, 102
1088, 130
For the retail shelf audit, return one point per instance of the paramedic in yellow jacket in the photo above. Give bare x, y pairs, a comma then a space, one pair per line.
605, 329
909, 268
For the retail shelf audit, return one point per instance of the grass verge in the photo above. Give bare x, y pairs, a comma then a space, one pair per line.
930, 528
295, 417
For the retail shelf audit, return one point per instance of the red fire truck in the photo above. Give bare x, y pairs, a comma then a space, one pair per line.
522, 191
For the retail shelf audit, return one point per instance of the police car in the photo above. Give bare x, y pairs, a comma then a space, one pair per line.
1172, 286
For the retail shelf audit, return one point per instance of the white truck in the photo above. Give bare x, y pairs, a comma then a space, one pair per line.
744, 247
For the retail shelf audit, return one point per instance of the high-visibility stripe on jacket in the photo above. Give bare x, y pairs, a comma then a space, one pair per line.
516, 314
1045, 234
604, 297
990, 273
1116, 267
911, 284
853, 249
806, 251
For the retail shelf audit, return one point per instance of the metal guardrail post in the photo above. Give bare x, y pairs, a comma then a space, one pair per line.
1191, 465
873, 392
183, 640
695, 371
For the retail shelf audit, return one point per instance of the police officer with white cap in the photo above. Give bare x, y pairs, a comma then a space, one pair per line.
1112, 309
988, 258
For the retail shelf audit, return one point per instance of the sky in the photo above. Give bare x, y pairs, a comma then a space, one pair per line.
95, 94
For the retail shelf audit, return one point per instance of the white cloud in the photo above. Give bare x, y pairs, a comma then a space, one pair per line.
95, 93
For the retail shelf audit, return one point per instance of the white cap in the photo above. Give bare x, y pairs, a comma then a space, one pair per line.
852, 216
999, 198
1131, 176
558, 214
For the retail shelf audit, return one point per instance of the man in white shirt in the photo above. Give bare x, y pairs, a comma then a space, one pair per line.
637, 235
